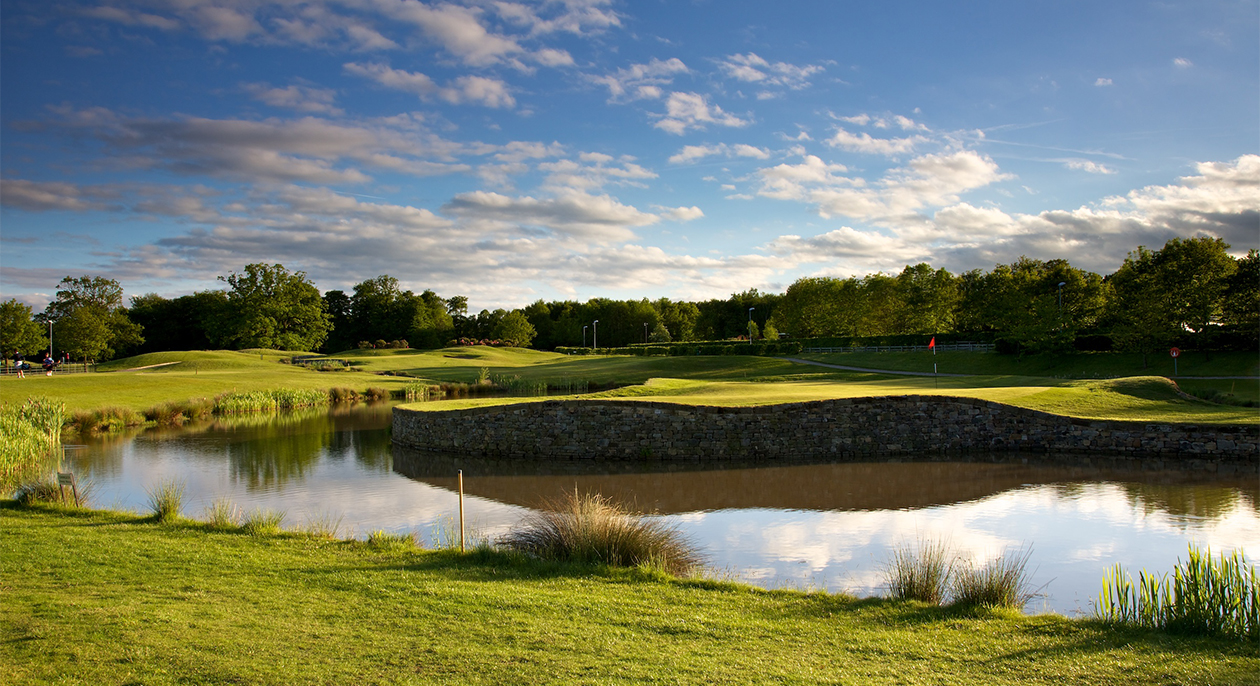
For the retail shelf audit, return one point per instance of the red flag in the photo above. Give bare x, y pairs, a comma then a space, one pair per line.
932, 344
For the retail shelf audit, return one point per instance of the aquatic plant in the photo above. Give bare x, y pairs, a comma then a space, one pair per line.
590, 528
323, 526
29, 434
1204, 595
385, 540
920, 573
48, 491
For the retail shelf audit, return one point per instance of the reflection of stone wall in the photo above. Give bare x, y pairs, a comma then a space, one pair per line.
847, 429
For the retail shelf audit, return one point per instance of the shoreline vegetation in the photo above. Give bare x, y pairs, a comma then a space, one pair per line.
150, 597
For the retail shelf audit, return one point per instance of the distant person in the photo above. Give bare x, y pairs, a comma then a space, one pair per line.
19, 361
48, 365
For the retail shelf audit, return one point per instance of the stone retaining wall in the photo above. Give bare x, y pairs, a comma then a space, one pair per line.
846, 429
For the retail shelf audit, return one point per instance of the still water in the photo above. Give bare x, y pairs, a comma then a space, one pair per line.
827, 526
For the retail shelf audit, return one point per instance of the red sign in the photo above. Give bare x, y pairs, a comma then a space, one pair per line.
1175, 352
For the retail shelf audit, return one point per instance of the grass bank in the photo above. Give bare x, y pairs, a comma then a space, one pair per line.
99, 597
1132, 399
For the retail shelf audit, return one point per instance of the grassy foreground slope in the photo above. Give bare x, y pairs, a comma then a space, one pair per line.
98, 597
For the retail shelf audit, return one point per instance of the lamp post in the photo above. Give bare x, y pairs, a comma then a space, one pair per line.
595, 334
1061, 285
645, 333
584, 328
50, 339
750, 336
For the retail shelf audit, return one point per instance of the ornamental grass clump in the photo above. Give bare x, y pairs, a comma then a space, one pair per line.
48, 491
1204, 595
384, 540
166, 500
592, 529
1001, 582
261, 522
920, 573
223, 515
30, 434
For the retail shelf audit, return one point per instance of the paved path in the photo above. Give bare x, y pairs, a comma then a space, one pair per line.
864, 369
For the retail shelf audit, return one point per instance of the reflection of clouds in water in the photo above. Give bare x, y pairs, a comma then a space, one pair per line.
1077, 530
1075, 537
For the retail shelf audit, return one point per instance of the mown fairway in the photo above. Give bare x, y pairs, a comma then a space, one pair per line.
714, 380
99, 597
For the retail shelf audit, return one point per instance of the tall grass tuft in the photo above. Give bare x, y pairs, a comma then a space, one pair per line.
920, 573
417, 390
223, 515
166, 500
1001, 582
1204, 595
323, 526
517, 386
260, 522
385, 540
592, 529
30, 434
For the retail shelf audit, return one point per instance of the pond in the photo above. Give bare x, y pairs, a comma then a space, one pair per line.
824, 526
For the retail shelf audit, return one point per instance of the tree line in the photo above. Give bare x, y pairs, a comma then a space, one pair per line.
1189, 292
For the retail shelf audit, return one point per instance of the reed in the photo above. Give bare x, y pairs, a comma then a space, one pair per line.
417, 390
343, 395
47, 491
920, 573
30, 434
261, 522
374, 393
166, 500
1001, 582
105, 420
223, 515
515, 385
1204, 595
592, 529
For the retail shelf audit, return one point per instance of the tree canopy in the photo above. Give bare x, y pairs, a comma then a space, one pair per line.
270, 307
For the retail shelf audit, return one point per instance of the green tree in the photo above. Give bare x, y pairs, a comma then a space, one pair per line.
269, 307
514, 328
89, 320
1241, 308
18, 330
660, 334
927, 300
183, 323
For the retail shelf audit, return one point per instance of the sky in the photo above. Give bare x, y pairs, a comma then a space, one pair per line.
568, 149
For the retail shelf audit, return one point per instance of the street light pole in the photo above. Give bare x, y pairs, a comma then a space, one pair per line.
595, 335
645, 333
584, 328
1061, 285
750, 336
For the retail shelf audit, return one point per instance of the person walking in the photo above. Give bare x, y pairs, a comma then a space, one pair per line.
48, 364
18, 361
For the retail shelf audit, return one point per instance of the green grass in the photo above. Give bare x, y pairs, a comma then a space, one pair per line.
712, 380
98, 597
1132, 399
1074, 366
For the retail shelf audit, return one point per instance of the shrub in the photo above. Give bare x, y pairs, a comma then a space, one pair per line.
1219, 597
1002, 582
343, 395
47, 491
166, 500
591, 529
375, 393
323, 526
921, 574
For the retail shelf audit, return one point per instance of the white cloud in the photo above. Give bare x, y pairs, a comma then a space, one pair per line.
866, 144
680, 214
640, 81
1100, 82
295, 97
692, 153
592, 171
685, 111
1182, 63
38, 196
1088, 166
597, 218
465, 89
752, 68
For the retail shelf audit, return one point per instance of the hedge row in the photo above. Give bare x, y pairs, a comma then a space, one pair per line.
699, 348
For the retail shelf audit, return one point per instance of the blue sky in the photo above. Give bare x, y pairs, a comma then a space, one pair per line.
510, 151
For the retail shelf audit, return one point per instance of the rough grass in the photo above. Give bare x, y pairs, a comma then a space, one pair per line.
1000, 582
589, 528
97, 597
166, 500
920, 572
30, 436
1070, 366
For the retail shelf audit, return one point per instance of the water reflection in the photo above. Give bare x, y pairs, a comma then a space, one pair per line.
685, 487
822, 525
